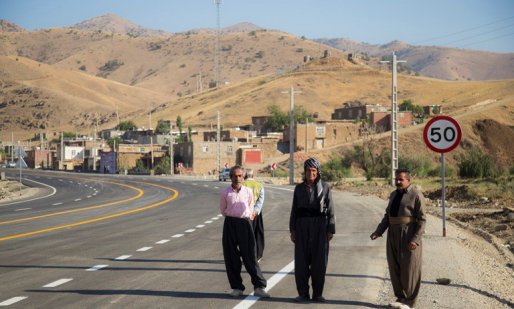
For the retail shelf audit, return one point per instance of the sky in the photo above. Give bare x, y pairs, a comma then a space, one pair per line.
486, 25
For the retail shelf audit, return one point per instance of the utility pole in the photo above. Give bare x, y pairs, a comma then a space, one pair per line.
292, 92
218, 138
40, 150
217, 54
172, 164
151, 138
306, 132
12, 146
62, 149
394, 118
94, 145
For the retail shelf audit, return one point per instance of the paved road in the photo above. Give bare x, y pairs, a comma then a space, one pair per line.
155, 242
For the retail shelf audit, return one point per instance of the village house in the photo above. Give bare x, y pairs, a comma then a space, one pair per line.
322, 134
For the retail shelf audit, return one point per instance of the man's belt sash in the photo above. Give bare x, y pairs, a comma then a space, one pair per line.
401, 220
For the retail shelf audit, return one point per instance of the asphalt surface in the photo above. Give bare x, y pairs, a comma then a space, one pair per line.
94, 241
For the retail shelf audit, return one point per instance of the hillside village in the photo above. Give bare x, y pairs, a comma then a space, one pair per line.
196, 151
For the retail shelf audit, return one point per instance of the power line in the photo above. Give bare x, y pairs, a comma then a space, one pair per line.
487, 40
463, 31
477, 35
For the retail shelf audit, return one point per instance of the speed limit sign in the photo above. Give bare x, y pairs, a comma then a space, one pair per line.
442, 134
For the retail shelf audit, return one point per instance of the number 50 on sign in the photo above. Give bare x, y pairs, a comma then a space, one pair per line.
442, 134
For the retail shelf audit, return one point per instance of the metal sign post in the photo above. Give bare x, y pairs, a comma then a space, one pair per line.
442, 134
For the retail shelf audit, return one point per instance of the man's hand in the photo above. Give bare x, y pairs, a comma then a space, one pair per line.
330, 236
253, 215
374, 236
293, 236
413, 245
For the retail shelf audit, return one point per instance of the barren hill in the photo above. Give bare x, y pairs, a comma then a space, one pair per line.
38, 97
112, 23
437, 62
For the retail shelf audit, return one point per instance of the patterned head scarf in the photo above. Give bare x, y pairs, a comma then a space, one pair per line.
312, 162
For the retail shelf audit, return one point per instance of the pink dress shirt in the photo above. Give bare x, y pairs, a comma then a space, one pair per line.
236, 204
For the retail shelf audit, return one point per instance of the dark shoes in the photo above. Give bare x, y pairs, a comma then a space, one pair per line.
319, 299
302, 298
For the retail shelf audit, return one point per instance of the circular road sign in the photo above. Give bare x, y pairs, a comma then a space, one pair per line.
442, 134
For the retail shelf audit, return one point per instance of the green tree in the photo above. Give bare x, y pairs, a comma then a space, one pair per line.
189, 134
335, 169
111, 141
408, 105
127, 125
163, 127
163, 167
140, 168
280, 119
179, 124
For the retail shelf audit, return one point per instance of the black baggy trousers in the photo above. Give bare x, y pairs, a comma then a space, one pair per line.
310, 254
258, 231
239, 244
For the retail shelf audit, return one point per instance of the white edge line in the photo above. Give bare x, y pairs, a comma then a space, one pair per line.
13, 300
37, 198
57, 283
251, 299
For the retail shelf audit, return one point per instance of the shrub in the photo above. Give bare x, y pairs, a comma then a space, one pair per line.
334, 170
475, 164
418, 166
111, 65
164, 166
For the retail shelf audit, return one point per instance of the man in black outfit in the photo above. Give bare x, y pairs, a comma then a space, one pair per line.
312, 226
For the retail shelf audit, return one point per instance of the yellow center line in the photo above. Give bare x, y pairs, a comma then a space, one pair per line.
140, 193
174, 196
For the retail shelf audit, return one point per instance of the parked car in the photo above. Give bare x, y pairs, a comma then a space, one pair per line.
224, 174
11, 164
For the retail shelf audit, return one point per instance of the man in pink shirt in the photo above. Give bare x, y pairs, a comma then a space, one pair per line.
236, 205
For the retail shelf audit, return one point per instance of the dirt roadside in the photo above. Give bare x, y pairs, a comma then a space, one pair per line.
479, 264
11, 191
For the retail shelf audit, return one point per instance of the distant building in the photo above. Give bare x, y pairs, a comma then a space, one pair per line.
322, 134
356, 109
432, 110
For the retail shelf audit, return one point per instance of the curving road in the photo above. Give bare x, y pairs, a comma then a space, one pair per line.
155, 242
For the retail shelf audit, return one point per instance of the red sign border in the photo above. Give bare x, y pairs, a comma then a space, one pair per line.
450, 119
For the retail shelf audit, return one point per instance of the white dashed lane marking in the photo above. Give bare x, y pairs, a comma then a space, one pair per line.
189, 231
144, 249
208, 221
13, 300
97, 267
122, 257
199, 226
57, 283
79, 199
160, 242
55, 204
22, 209
177, 235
